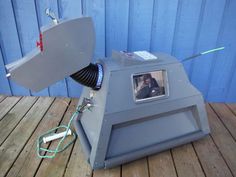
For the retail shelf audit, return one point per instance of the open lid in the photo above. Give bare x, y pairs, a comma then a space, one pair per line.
64, 49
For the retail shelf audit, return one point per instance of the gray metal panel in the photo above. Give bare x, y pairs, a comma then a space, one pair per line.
115, 105
98, 154
67, 48
134, 135
92, 121
178, 85
152, 149
83, 138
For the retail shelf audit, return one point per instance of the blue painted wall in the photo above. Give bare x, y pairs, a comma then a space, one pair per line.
178, 27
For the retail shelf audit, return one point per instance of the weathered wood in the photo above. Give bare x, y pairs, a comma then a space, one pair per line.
2, 97
77, 165
186, 162
138, 168
210, 158
19, 129
19, 137
223, 140
113, 172
28, 158
226, 116
56, 167
161, 165
13, 117
232, 107
7, 104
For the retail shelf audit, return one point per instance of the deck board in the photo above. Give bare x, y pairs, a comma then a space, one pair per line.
232, 107
23, 119
227, 117
186, 162
17, 140
222, 138
212, 162
14, 116
77, 165
28, 158
7, 104
2, 97
56, 167
162, 165
113, 172
138, 168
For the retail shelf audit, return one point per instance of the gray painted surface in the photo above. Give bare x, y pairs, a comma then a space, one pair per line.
67, 48
118, 129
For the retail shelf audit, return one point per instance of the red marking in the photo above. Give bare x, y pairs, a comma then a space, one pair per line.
40, 43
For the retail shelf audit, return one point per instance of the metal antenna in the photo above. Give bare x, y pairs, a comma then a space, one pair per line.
202, 53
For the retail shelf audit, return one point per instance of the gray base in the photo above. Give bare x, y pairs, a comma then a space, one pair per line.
108, 163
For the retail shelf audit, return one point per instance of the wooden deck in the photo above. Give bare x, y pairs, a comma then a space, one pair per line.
23, 119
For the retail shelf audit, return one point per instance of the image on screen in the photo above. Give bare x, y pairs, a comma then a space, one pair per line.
149, 85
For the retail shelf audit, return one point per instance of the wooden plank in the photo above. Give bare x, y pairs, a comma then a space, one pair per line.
210, 158
226, 116
25, 22
77, 165
56, 167
70, 9
4, 82
117, 20
207, 40
231, 96
224, 61
16, 141
222, 138
161, 165
186, 161
96, 10
138, 168
28, 158
14, 116
232, 107
163, 30
140, 24
186, 30
10, 44
113, 172
2, 97
7, 104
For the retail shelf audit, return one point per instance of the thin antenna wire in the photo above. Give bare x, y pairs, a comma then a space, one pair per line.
202, 53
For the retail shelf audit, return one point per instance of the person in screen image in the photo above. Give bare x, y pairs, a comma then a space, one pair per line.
149, 87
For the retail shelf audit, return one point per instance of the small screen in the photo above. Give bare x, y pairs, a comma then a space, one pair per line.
149, 85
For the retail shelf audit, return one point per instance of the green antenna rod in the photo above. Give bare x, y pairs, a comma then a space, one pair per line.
202, 53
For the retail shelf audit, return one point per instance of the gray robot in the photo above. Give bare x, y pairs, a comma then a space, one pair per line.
140, 103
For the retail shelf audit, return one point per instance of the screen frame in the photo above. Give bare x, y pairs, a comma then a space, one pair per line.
166, 86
